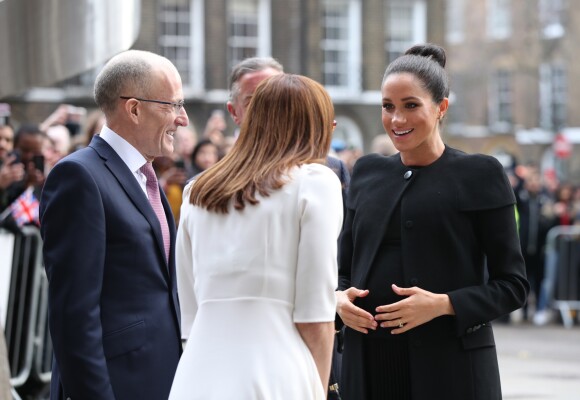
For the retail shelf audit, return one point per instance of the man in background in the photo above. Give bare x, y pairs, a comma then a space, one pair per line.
244, 78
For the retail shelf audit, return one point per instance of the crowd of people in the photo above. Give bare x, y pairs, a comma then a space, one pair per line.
28, 153
543, 202
267, 258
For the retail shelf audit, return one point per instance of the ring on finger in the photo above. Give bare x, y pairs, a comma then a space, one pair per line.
401, 324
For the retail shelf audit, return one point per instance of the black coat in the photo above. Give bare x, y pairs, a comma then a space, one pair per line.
458, 236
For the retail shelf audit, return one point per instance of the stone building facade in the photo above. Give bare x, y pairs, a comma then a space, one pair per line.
344, 44
511, 63
515, 79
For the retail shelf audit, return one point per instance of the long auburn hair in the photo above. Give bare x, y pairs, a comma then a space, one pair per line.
289, 122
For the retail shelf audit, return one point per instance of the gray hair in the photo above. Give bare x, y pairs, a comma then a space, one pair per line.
126, 74
249, 65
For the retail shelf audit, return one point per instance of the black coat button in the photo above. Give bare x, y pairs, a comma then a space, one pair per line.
408, 224
408, 175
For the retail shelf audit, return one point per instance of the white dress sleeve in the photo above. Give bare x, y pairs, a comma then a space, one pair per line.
184, 268
320, 207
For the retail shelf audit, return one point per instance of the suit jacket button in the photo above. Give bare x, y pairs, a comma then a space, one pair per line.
408, 175
469, 330
408, 224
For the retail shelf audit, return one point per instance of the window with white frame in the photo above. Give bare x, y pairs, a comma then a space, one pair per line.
341, 37
175, 39
181, 38
500, 101
406, 22
248, 29
553, 96
551, 14
455, 19
499, 19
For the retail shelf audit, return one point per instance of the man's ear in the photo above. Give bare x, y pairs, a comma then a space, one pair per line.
132, 109
232, 112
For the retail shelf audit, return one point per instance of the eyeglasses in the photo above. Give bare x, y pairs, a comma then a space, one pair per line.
176, 106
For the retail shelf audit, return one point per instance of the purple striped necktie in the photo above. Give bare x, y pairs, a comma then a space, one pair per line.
155, 200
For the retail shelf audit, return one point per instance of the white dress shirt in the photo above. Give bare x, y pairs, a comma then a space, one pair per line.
129, 154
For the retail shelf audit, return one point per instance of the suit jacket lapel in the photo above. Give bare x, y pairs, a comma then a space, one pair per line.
130, 185
171, 225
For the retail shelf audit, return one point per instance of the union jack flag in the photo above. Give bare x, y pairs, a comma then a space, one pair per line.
25, 208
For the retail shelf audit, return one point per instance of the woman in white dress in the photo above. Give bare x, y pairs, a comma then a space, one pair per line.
256, 255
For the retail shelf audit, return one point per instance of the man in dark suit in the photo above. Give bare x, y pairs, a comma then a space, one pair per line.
109, 242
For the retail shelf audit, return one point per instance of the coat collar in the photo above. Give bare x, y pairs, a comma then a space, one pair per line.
392, 179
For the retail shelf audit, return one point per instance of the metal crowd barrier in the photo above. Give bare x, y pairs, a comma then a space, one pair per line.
25, 325
563, 270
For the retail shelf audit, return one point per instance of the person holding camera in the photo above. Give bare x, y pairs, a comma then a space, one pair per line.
22, 171
10, 171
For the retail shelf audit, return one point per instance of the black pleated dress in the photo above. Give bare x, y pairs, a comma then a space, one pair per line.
386, 356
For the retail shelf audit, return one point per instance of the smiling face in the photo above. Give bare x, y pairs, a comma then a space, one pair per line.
158, 122
411, 119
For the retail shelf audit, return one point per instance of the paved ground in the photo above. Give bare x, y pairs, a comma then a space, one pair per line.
539, 363
536, 363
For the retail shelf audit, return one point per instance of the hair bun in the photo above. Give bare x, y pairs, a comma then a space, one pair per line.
429, 50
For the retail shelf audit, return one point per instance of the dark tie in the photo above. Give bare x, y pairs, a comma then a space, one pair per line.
155, 200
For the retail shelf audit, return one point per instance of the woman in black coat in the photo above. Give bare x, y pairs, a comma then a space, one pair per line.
429, 253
